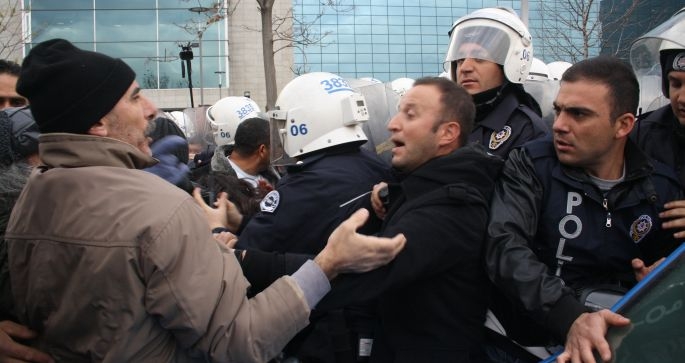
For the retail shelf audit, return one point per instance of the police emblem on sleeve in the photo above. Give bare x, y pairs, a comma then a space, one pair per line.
270, 202
640, 227
497, 138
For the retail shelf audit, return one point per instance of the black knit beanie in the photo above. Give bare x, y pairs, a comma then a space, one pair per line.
70, 89
671, 60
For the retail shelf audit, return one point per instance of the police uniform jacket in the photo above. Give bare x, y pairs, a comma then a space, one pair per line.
509, 125
113, 264
313, 198
552, 232
662, 137
432, 297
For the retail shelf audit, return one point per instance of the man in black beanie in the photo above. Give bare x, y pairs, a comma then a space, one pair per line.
661, 133
115, 264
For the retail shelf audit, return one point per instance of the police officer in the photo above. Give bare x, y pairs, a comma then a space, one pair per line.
318, 121
490, 55
661, 133
578, 212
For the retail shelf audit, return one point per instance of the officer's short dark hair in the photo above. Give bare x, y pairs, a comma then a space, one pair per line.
624, 90
250, 134
9, 67
457, 104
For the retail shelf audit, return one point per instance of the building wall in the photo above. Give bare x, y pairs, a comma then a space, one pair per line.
246, 58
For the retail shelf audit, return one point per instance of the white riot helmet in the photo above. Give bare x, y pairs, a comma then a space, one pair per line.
556, 69
225, 115
401, 85
500, 37
649, 53
316, 111
539, 86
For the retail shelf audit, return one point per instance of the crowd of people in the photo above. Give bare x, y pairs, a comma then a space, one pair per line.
288, 241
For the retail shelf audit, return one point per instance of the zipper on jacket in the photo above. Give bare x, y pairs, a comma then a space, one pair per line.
605, 204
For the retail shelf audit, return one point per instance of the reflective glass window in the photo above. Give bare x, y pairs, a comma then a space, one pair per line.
74, 25
124, 4
364, 58
36, 5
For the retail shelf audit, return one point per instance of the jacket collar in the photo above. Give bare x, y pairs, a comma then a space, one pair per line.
637, 165
75, 150
496, 120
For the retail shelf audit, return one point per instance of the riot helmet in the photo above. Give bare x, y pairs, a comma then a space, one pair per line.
649, 53
315, 111
225, 115
493, 34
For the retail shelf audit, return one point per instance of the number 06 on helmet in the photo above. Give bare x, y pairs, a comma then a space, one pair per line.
313, 112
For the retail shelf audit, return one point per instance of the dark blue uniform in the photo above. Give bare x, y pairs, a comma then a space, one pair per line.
553, 233
661, 136
313, 198
510, 124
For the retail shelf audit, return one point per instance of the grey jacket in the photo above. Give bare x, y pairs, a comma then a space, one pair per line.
113, 264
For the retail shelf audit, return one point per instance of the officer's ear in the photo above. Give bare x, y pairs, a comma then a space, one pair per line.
623, 125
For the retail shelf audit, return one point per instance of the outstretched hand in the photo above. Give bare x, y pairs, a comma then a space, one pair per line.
13, 352
641, 270
675, 216
587, 334
349, 251
225, 215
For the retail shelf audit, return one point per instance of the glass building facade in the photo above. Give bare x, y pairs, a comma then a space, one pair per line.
389, 39
381, 39
146, 34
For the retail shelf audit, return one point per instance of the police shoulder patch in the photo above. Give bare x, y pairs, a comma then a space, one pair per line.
497, 138
270, 202
640, 227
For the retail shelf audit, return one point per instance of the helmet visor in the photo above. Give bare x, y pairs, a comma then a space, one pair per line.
277, 153
644, 52
479, 42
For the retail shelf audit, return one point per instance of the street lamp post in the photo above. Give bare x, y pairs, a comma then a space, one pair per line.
220, 73
200, 30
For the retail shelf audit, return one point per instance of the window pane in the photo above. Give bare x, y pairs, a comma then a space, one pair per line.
124, 4
75, 26
125, 25
62, 5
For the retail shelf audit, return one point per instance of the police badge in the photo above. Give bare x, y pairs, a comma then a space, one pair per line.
497, 138
640, 227
270, 202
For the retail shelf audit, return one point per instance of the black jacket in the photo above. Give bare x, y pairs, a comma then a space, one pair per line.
552, 232
432, 297
661, 136
508, 124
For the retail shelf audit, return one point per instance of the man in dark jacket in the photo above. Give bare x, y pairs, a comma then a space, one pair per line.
490, 54
661, 133
432, 299
577, 212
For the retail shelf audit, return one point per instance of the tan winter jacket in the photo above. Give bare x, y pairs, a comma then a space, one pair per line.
114, 264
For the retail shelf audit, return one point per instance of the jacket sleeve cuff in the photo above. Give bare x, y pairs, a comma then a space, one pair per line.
562, 316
